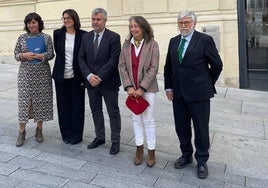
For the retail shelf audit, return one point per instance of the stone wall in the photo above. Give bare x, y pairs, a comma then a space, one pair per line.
161, 14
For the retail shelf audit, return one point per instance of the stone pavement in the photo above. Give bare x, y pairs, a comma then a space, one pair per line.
239, 147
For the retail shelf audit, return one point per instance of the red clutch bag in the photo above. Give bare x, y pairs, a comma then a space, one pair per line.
137, 105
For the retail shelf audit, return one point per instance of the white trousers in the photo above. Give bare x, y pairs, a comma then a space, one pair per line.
145, 121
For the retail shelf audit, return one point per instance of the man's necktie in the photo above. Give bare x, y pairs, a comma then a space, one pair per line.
180, 50
95, 44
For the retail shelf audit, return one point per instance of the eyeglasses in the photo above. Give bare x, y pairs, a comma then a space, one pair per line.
186, 23
67, 18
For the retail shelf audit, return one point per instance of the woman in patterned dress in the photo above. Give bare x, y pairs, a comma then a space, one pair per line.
35, 97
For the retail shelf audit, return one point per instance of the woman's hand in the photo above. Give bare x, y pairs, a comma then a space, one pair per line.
39, 56
138, 93
28, 56
131, 91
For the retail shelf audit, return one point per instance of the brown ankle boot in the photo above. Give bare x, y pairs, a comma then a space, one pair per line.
21, 138
151, 158
38, 135
139, 155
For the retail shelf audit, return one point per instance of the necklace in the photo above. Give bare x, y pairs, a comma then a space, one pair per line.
137, 43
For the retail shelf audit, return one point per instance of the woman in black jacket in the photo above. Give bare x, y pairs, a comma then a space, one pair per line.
69, 82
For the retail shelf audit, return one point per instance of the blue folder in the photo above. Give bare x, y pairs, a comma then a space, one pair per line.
36, 45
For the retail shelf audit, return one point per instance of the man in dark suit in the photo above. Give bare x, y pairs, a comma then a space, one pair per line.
98, 60
192, 67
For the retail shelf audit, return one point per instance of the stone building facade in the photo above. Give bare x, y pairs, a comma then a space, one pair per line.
216, 17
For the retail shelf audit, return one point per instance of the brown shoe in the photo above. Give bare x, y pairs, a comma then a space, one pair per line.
21, 138
139, 155
38, 135
151, 158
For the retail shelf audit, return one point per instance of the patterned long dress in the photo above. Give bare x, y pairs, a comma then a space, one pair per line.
35, 94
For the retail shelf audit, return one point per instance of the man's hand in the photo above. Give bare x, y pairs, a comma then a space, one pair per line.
169, 95
94, 80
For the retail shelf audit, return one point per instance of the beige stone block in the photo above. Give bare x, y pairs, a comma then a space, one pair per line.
114, 8
82, 7
202, 5
177, 5
15, 13
227, 4
154, 6
132, 7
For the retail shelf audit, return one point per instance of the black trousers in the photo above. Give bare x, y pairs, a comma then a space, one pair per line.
111, 100
70, 96
198, 113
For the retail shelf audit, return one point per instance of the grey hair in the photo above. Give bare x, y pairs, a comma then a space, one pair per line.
100, 10
189, 14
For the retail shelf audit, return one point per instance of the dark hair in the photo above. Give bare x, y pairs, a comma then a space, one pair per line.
148, 33
73, 14
33, 16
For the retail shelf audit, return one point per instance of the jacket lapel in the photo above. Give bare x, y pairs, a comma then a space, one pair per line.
62, 42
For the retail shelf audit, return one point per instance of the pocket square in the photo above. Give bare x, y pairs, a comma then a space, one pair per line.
137, 105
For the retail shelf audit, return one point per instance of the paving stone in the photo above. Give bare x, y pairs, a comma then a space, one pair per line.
5, 157
6, 169
10, 110
256, 182
259, 109
167, 140
72, 184
247, 95
7, 182
237, 124
109, 182
27, 163
102, 162
175, 176
193, 180
228, 185
238, 151
162, 182
56, 149
39, 178
221, 92
31, 185
226, 105
30, 153
64, 161
126, 174
69, 173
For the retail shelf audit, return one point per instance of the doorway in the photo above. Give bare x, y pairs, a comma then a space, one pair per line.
253, 17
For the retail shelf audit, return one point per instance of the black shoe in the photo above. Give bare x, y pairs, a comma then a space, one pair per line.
182, 162
115, 148
96, 142
202, 171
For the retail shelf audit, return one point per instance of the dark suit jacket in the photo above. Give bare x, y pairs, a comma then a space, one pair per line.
59, 45
105, 65
194, 78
